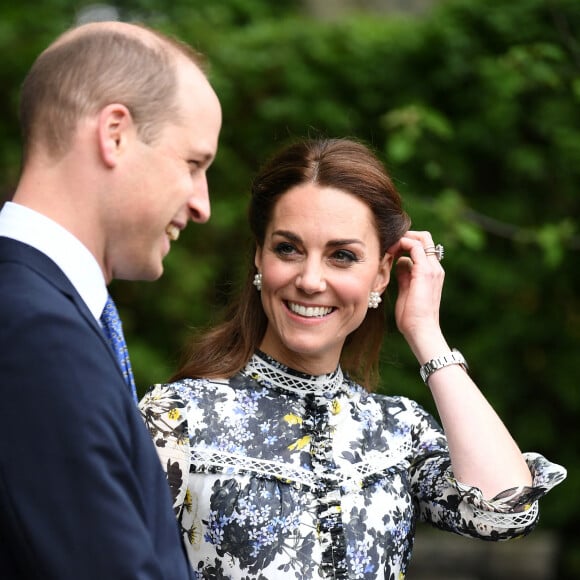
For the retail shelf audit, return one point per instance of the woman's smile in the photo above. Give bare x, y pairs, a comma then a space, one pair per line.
319, 263
309, 311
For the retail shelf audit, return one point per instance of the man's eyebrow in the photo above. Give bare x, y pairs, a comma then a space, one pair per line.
205, 158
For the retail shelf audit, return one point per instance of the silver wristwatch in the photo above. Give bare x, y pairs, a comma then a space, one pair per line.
454, 357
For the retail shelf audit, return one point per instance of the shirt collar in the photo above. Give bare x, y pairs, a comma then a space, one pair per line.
65, 250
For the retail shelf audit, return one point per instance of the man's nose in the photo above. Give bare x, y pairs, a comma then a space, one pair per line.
199, 205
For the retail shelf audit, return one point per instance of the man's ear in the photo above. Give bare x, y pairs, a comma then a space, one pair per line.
384, 273
115, 125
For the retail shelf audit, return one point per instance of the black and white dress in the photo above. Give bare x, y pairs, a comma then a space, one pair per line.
277, 474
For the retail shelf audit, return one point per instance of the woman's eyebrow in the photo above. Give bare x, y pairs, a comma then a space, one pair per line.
331, 243
345, 242
287, 234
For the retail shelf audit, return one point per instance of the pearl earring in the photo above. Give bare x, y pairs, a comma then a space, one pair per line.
374, 300
258, 281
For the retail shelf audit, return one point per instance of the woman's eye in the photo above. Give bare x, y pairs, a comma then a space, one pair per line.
284, 249
344, 257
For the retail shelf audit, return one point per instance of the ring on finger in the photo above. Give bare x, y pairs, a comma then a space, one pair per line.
438, 251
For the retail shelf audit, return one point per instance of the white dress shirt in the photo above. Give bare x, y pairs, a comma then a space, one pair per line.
65, 250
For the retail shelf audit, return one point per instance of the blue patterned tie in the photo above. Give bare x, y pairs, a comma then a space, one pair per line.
114, 333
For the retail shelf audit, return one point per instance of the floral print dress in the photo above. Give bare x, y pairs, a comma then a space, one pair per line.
277, 474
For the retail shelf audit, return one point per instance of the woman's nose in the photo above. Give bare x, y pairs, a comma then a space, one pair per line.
311, 278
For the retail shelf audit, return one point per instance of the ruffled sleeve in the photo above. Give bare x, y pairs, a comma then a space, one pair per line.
514, 511
164, 413
451, 505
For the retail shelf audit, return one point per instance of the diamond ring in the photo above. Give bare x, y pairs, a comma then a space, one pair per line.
438, 251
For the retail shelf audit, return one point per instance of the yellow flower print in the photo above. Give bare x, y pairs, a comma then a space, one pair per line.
292, 419
335, 406
187, 503
173, 414
300, 444
193, 535
191, 523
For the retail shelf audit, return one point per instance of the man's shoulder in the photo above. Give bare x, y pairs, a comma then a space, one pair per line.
17, 252
29, 280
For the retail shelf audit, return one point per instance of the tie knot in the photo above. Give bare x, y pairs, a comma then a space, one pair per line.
110, 317
110, 313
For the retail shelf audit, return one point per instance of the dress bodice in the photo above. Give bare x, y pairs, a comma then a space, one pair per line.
279, 474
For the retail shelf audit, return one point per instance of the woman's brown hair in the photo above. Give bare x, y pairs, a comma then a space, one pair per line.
343, 164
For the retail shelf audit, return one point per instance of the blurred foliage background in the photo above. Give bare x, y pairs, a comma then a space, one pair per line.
474, 106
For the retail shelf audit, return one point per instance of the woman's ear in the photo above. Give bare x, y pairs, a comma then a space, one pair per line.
384, 273
115, 124
258, 258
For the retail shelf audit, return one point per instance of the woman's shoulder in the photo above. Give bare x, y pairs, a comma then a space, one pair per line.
182, 391
387, 400
399, 406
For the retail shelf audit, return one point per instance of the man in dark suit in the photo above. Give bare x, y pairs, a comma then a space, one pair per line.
120, 125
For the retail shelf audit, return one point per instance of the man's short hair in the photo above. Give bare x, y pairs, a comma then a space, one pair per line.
93, 66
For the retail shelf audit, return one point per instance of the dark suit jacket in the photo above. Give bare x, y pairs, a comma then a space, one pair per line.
82, 493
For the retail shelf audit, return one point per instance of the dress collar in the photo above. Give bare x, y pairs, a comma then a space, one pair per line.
270, 372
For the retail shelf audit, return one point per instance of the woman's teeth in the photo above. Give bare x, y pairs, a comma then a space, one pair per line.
309, 311
173, 232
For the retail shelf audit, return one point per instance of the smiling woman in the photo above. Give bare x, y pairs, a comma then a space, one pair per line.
281, 461
320, 261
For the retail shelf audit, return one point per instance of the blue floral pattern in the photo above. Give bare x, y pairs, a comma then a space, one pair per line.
277, 474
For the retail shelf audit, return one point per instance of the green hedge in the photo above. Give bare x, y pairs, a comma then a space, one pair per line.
475, 109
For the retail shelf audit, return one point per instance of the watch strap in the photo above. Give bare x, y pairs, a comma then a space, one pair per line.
453, 357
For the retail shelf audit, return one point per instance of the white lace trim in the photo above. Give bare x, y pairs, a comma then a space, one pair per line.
350, 477
508, 520
298, 384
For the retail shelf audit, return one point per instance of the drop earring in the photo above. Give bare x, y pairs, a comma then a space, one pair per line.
374, 300
258, 281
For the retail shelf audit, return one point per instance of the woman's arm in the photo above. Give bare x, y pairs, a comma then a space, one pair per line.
483, 453
164, 414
